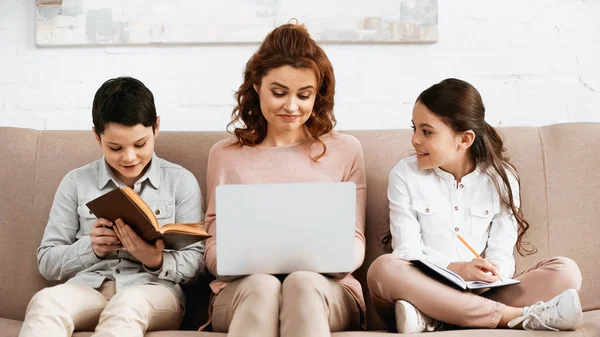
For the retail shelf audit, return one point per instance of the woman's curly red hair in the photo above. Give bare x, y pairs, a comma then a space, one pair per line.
287, 45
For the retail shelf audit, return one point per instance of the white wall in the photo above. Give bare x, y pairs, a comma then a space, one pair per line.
536, 62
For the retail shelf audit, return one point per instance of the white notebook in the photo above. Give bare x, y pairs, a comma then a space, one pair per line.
454, 278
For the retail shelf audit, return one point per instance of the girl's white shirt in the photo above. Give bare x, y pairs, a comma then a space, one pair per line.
428, 209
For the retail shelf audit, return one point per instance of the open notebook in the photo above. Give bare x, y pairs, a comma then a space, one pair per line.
430, 268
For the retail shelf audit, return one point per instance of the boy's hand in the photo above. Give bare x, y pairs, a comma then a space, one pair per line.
148, 254
104, 239
476, 270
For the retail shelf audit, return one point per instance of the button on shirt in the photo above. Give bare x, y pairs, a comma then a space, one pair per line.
428, 208
66, 252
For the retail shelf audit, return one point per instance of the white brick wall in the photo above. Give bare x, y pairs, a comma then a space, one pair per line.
535, 62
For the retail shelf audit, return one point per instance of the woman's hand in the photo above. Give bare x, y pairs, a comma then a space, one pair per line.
476, 270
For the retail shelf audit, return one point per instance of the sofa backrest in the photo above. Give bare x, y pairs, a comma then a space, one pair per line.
560, 188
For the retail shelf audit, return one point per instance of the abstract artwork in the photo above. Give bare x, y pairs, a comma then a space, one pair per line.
135, 22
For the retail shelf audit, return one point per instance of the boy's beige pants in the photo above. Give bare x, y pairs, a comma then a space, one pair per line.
58, 311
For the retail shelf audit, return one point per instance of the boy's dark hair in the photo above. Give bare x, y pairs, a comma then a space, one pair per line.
125, 101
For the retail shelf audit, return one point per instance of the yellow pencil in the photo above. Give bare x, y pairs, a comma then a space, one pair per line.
473, 251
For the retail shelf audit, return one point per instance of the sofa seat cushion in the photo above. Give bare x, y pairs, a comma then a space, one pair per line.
184, 334
167, 334
170, 333
9, 327
589, 328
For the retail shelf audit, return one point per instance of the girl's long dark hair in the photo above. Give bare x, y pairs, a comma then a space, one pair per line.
459, 105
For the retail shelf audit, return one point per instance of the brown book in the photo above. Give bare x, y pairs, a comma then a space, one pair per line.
124, 203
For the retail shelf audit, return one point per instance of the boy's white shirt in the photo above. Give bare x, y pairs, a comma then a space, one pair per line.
428, 209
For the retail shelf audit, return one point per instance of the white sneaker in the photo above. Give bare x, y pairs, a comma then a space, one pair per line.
411, 320
560, 313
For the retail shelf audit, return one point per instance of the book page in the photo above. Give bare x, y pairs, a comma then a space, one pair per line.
184, 228
141, 204
499, 283
457, 280
446, 273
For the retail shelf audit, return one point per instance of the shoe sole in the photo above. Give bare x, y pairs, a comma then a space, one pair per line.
577, 304
400, 315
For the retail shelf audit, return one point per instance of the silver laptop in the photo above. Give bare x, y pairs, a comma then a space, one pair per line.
282, 228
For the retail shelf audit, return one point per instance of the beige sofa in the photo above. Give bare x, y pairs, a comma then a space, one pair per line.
558, 165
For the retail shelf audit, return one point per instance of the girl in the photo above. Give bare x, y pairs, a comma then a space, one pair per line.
283, 134
460, 182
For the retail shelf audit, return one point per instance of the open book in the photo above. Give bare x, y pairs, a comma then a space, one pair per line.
124, 203
436, 271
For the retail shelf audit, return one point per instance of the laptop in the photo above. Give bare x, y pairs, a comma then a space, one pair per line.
282, 228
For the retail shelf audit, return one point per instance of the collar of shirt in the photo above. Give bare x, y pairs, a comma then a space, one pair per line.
152, 174
466, 179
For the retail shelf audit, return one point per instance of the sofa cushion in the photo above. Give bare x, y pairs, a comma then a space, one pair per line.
9, 327
590, 328
17, 241
169, 333
184, 334
572, 161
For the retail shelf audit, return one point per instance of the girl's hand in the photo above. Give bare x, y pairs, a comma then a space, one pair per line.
476, 270
148, 254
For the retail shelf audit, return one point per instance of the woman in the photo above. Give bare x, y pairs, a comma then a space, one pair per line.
283, 125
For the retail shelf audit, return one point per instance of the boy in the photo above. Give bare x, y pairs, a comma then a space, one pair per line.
117, 282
